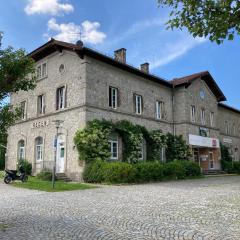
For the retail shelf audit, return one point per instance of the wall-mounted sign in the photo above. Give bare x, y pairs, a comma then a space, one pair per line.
227, 140
40, 124
200, 141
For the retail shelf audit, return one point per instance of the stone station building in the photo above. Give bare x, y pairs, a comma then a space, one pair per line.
76, 84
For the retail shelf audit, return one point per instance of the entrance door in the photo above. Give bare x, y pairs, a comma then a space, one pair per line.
60, 164
211, 160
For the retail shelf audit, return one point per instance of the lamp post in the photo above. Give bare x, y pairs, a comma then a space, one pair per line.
57, 125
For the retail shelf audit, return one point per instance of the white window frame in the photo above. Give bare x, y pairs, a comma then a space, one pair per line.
193, 113
159, 109
138, 104
59, 107
21, 150
112, 142
226, 127
39, 150
203, 116
24, 109
41, 104
211, 119
114, 97
40, 70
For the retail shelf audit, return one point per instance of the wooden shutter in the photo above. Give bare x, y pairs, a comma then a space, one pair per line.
134, 103
65, 96
110, 97
57, 99
118, 98
142, 104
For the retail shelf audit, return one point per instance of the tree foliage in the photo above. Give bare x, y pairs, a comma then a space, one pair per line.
214, 19
17, 72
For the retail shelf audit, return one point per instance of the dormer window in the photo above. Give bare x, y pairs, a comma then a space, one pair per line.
42, 70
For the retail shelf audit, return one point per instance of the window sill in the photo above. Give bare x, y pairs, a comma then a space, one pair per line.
42, 78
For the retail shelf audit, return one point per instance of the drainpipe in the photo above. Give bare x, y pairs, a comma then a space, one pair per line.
173, 111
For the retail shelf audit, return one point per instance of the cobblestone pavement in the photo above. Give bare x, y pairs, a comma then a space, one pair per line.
193, 209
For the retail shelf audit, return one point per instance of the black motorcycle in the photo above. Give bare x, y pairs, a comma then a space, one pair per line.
12, 175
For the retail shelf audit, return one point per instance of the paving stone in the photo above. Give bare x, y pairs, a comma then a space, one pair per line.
185, 210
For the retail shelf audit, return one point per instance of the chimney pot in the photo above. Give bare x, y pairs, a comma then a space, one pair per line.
145, 67
120, 55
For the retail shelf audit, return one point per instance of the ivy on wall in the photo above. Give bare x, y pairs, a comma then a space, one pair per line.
92, 142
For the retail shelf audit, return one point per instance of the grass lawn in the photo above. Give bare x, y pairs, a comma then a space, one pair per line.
35, 183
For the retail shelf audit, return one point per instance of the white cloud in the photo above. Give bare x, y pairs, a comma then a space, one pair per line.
175, 50
52, 7
70, 32
149, 41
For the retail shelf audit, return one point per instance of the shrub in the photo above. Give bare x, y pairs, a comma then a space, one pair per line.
174, 170
45, 175
149, 171
27, 166
236, 167
119, 172
227, 166
191, 168
94, 172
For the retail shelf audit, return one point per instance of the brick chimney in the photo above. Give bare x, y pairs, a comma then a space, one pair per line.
120, 55
145, 67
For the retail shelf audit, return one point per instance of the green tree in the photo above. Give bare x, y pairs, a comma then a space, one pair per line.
17, 72
214, 19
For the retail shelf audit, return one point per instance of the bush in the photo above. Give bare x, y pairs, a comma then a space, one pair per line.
119, 172
45, 175
191, 168
236, 167
94, 172
174, 170
27, 166
149, 171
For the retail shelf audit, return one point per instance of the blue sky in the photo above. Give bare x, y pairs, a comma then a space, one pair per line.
137, 25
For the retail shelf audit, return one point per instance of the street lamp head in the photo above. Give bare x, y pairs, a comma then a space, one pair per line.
57, 123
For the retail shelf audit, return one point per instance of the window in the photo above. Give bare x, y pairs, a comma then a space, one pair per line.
42, 70
193, 113
226, 127
39, 148
23, 110
212, 119
21, 150
41, 104
113, 97
113, 149
138, 104
159, 109
61, 98
203, 119
141, 151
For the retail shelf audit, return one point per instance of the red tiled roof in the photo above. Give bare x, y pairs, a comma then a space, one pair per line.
205, 76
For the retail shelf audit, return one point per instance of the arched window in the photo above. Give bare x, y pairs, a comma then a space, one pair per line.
39, 148
21, 150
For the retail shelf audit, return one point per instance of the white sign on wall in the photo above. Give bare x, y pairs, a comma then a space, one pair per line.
227, 140
40, 124
203, 141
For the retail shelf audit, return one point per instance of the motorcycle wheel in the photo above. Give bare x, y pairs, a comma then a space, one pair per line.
25, 179
7, 179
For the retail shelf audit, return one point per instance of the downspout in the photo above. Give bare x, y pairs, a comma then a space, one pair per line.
173, 111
